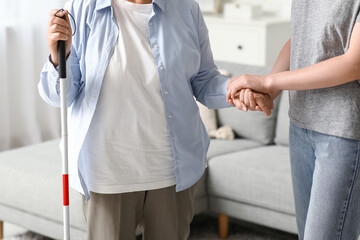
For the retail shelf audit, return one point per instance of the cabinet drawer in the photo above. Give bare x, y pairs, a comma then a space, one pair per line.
236, 44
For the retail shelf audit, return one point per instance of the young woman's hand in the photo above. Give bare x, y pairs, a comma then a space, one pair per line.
254, 82
58, 29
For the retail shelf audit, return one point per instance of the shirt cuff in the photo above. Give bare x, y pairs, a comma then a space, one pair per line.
53, 66
57, 68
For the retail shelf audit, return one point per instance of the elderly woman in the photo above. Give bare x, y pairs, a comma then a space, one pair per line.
137, 145
323, 57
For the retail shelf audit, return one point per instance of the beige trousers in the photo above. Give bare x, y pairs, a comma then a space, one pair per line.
162, 214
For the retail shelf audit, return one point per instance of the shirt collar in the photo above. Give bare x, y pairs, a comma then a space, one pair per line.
161, 4
100, 4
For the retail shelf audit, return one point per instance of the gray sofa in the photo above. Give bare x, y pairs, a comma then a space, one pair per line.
247, 178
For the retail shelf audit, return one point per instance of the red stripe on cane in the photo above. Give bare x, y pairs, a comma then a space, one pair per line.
66, 189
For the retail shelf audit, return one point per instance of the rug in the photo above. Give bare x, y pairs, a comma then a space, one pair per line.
204, 227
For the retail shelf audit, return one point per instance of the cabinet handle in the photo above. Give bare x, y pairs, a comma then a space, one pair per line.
240, 47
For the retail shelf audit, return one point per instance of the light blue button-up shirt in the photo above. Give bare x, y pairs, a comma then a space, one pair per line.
181, 48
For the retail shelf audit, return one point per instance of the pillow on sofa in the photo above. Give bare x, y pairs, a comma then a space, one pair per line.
251, 125
208, 117
282, 125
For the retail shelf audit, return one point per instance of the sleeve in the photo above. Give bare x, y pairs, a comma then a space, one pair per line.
358, 15
49, 85
209, 86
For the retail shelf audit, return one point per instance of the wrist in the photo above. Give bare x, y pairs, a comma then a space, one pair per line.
270, 83
53, 60
274, 94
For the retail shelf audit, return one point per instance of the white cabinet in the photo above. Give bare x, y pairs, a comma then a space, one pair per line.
251, 42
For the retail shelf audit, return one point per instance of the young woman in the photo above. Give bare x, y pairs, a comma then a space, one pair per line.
321, 65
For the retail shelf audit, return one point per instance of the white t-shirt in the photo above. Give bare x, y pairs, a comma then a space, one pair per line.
128, 144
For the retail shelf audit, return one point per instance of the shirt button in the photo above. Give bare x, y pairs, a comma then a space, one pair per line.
177, 160
161, 68
156, 46
150, 24
170, 116
173, 138
166, 92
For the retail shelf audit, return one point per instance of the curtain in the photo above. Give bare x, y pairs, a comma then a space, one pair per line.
24, 118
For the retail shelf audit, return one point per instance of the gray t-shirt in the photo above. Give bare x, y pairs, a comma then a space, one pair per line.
321, 30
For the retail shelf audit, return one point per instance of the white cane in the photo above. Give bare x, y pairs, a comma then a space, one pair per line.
64, 135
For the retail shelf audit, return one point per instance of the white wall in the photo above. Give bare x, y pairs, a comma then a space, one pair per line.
24, 118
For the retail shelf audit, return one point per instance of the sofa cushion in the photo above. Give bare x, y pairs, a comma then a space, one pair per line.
259, 177
208, 116
31, 181
220, 147
251, 125
282, 125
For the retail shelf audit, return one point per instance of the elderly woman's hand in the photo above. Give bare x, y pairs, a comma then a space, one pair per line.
58, 29
246, 99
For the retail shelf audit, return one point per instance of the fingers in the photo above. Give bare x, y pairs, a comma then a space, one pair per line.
234, 90
236, 81
67, 19
245, 100
250, 99
58, 20
261, 103
246, 96
264, 102
228, 96
233, 100
232, 103
59, 25
242, 100
230, 82
57, 35
235, 85
264, 108
239, 104
269, 101
58, 29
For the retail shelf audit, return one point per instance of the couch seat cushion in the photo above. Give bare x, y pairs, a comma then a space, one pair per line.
250, 125
259, 177
219, 147
32, 182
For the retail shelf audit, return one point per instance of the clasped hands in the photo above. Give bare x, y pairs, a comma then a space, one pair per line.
250, 92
